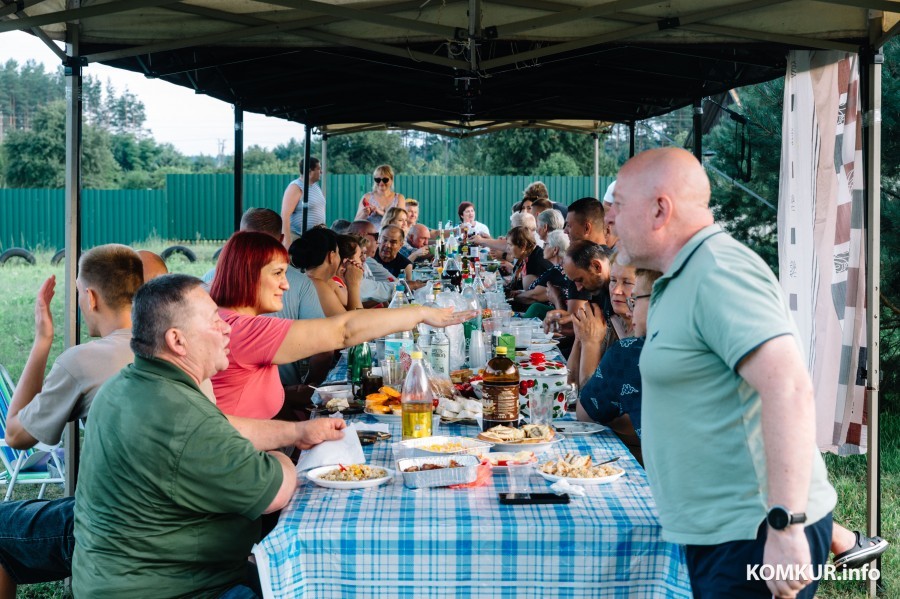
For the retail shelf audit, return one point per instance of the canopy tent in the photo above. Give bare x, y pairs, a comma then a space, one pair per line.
324, 63
470, 64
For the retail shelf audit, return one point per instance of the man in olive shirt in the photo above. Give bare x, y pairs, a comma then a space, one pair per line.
170, 493
728, 414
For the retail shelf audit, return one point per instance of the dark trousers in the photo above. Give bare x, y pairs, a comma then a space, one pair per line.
722, 570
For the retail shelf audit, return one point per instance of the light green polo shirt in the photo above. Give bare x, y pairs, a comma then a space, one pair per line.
702, 434
169, 495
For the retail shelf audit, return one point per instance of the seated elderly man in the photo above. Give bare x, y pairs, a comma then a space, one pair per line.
378, 284
183, 519
416, 247
549, 221
389, 243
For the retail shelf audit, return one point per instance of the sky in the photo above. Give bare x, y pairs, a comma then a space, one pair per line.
193, 123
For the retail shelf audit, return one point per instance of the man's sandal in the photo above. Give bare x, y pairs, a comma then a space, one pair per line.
864, 551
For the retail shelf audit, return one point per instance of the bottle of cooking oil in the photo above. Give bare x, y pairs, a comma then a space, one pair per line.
415, 401
500, 391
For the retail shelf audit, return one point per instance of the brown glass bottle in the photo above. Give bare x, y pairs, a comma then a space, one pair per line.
500, 391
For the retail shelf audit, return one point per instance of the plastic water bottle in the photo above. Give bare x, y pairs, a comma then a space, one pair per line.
400, 343
399, 299
415, 401
471, 299
402, 284
440, 352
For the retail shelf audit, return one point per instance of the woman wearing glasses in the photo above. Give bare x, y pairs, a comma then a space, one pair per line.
611, 386
374, 204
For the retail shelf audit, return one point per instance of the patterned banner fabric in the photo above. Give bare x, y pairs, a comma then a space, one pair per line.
390, 541
822, 237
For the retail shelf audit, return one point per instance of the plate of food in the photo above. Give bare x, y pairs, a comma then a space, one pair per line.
384, 405
579, 429
542, 346
459, 411
533, 437
345, 406
579, 470
353, 476
391, 417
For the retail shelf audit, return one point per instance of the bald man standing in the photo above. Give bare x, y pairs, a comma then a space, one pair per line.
728, 411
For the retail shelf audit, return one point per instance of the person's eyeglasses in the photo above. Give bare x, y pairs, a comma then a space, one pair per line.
631, 301
384, 180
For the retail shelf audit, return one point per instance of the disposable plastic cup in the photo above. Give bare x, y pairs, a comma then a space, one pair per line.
519, 475
540, 408
392, 373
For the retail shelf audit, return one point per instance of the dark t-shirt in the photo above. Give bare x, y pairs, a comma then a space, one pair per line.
555, 276
395, 266
615, 387
536, 264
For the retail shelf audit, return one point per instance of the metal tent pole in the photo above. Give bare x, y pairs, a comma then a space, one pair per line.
631, 131
324, 162
870, 70
596, 165
74, 107
238, 166
698, 130
306, 151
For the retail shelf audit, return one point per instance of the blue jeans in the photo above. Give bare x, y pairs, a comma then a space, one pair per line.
36, 540
721, 570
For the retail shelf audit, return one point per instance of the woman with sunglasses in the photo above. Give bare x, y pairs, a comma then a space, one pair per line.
611, 389
374, 204
250, 283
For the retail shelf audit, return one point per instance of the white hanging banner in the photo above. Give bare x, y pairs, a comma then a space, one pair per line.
821, 237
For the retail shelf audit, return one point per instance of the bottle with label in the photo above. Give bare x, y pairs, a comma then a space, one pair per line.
500, 391
407, 291
415, 401
473, 324
453, 271
359, 364
400, 343
440, 352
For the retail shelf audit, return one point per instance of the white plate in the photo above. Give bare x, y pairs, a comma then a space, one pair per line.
582, 481
577, 429
537, 448
543, 346
316, 473
389, 418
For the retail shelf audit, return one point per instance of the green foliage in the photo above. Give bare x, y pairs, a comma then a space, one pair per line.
362, 152
40, 154
744, 216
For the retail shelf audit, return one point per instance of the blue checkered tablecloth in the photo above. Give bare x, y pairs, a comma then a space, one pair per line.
391, 541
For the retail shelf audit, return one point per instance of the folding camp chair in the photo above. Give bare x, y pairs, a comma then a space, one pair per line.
39, 465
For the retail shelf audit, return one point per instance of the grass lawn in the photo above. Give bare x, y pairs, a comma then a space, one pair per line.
20, 283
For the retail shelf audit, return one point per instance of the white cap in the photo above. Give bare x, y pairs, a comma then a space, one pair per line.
608, 196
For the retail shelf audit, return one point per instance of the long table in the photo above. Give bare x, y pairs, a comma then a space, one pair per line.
391, 541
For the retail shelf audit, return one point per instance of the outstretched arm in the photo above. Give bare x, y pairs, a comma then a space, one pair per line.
32, 379
308, 337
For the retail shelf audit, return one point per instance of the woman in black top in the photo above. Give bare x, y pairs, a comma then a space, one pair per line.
530, 261
555, 247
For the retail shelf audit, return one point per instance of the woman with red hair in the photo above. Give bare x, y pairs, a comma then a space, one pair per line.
250, 281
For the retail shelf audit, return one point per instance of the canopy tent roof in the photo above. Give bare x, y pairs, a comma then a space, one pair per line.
473, 64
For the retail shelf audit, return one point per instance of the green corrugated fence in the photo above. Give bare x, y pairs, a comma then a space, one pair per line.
195, 207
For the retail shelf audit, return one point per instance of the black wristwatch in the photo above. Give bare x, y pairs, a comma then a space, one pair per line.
779, 517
